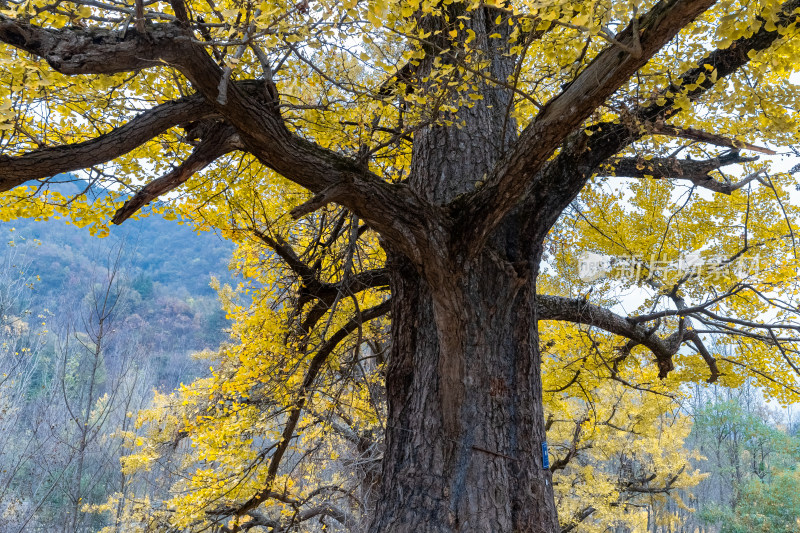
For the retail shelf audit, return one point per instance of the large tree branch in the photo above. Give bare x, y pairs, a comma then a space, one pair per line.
561, 178
220, 140
46, 162
328, 509
580, 311
609, 138
391, 209
611, 69
696, 172
327, 293
76, 50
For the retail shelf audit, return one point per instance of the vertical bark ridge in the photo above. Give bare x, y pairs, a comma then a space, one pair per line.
449, 160
485, 473
465, 422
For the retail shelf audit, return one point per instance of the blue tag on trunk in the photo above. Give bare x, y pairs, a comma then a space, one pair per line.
545, 457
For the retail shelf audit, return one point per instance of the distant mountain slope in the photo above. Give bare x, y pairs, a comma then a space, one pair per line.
165, 269
163, 250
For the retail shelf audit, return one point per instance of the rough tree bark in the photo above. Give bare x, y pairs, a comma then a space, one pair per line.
465, 427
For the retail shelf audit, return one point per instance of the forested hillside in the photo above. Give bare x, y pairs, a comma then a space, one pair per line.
164, 274
90, 329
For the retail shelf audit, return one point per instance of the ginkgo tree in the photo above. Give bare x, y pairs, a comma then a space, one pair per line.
615, 444
441, 163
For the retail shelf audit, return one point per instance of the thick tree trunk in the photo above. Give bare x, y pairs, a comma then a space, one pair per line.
465, 426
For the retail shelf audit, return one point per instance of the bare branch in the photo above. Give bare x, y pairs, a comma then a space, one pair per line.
579, 517
258, 519
328, 509
288, 255
269, 83
706, 355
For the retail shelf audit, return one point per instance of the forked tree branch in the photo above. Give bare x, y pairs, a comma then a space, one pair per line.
312, 285
580, 311
391, 209
611, 69
696, 172
562, 178
313, 288
221, 140
49, 161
